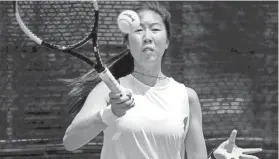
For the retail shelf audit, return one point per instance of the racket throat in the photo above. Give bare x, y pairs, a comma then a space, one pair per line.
99, 66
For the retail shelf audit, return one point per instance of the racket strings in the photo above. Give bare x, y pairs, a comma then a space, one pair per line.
58, 22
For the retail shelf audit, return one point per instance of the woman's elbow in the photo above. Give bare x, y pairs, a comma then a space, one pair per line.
74, 139
71, 139
68, 144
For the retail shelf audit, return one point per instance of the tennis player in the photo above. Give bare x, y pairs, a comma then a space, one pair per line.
157, 117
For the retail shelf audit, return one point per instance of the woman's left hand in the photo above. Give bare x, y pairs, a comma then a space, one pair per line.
228, 150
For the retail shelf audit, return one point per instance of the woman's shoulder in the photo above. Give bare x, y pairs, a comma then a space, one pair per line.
191, 93
193, 99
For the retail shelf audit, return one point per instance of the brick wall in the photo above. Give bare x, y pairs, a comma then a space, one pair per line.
79, 17
226, 51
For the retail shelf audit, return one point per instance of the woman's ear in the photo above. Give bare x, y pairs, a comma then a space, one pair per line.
167, 43
126, 41
128, 46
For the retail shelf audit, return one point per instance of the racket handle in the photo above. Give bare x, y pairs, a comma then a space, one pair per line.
110, 81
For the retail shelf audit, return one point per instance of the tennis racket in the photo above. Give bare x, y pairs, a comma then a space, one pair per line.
48, 13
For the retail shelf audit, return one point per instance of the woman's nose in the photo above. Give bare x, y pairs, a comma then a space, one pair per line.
147, 40
147, 37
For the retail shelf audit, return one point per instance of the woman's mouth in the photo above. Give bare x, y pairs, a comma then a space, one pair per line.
147, 49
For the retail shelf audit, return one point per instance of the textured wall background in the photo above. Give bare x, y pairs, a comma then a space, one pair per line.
226, 51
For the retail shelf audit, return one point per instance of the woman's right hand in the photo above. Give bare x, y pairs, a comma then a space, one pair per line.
120, 103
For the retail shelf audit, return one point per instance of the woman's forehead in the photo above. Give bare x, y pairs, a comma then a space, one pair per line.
149, 16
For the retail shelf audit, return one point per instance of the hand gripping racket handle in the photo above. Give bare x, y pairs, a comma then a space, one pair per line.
110, 81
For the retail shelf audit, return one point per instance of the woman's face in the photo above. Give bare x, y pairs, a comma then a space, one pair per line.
149, 42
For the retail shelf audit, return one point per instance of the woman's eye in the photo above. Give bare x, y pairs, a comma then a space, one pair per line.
155, 29
138, 30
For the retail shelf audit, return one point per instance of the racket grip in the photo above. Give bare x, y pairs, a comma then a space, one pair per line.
110, 81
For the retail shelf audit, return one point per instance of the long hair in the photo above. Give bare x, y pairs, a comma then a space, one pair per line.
120, 66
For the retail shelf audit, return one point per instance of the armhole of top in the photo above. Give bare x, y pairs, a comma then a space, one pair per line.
187, 97
189, 111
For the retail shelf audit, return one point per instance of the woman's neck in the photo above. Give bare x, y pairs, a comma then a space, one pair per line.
149, 75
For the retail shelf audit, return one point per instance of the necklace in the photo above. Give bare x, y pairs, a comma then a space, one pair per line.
160, 78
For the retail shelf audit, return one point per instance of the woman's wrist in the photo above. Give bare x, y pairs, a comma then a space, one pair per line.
107, 116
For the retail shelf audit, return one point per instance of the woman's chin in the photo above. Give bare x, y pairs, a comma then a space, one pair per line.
151, 60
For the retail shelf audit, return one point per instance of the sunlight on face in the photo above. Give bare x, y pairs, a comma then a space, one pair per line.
148, 43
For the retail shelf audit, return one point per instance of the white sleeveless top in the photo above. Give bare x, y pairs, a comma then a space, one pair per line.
155, 128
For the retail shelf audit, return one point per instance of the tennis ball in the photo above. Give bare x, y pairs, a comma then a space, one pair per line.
128, 21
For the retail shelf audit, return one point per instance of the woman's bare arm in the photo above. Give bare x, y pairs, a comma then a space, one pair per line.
87, 124
195, 143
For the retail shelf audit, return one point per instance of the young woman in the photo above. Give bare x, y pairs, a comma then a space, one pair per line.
158, 118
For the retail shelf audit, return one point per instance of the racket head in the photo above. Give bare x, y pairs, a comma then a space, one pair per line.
92, 35
91, 6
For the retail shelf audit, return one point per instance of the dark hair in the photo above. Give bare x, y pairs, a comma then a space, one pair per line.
159, 9
120, 66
